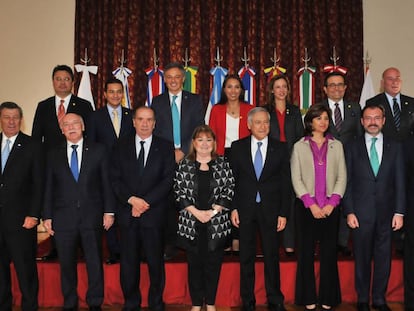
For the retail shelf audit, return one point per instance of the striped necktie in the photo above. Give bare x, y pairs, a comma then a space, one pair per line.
397, 113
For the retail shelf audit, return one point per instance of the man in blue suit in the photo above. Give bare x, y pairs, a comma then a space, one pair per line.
374, 203
142, 173
178, 113
105, 126
78, 200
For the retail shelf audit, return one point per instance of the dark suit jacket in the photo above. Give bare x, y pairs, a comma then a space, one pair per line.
45, 123
154, 185
274, 184
101, 130
293, 125
21, 183
407, 116
192, 115
82, 204
374, 198
351, 127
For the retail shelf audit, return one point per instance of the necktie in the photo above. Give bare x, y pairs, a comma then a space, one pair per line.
338, 117
258, 166
61, 110
176, 122
74, 162
397, 113
115, 122
5, 154
373, 156
141, 158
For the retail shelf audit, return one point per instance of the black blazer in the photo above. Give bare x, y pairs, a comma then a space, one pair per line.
407, 116
351, 127
45, 123
100, 128
192, 115
274, 184
82, 204
154, 185
21, 183
370, 197
293, 125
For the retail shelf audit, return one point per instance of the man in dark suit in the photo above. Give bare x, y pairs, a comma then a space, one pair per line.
105, 126
142, 175
21, 193
262, 200
78, 200
178, 113
399, 120
374, 203
46, 127
345, 126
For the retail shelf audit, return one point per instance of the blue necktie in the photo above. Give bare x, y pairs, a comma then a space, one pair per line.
74, 162
5, 154
373, 156
397, 113
258, 166
176, 122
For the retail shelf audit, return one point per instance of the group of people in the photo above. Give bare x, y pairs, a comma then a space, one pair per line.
157, 177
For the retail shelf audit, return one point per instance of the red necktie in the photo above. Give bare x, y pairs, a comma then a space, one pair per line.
61, 110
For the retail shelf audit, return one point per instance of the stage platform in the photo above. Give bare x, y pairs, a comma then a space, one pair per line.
176, 290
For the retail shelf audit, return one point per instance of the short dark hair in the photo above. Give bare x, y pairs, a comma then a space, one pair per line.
201, 129
223, 97
135, 110
379, 106
113, 81
63, 68
11, 105
314, 112
175, 65
333, 74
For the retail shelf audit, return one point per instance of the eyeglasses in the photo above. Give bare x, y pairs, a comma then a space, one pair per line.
337, 85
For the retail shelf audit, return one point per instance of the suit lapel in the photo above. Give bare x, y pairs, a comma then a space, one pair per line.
14, 152
124, 120
364, 156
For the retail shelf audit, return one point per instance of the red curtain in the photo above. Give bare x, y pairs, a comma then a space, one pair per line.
106, 27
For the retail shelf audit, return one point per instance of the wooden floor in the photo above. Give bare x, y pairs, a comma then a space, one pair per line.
342, 307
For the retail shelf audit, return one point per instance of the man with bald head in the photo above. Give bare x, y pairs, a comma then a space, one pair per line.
79, 203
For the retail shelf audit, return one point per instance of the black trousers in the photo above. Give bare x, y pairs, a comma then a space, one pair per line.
134, 239
203, 270
19, 246
325, 231
270, 246
67, 243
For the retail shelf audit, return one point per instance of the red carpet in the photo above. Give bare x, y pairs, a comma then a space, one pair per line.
176, 290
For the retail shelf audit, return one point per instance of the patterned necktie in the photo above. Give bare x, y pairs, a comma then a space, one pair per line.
115, 122
373, 156
258, 166
61, 110
397, 113
5, 154
74, 167
338, 117
141, 158
176, 122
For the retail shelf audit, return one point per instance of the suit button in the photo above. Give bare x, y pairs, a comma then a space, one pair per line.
1, 185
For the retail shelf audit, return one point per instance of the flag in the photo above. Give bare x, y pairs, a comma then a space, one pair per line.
273, 71
335, 68
306, 88
246, 74
122, 74
85, 90
367, 89
190, 79
218, 73
155, 83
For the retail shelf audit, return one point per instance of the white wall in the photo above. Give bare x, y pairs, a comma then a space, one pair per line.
37, 35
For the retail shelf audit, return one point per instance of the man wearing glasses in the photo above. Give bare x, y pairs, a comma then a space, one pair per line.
345, 125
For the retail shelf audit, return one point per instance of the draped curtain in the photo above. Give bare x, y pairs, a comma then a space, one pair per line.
137, 27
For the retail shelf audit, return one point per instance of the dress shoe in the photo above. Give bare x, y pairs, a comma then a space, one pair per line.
49, 257
70, 309
248, 307
409, 308
363, 306
383, 307
276, 307
289, 253
310, 308
344, 251
95, 308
